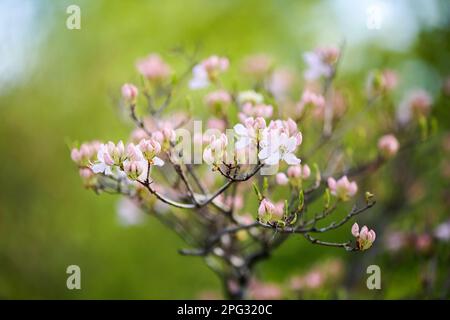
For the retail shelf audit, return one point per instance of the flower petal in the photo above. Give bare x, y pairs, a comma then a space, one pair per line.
291, 159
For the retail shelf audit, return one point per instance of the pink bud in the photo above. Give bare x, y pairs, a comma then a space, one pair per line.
278, 211
153, 68
76, 156
266, 208
291, 126
306, 171
331, 184
220, 98
158, 136
108, 159
364, 233
133, 169
355, 230
294, 171
129, 92
281, 179
86, 173
299, 138
388, 145
260, 123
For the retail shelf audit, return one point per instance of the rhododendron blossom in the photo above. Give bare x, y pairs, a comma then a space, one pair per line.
365, 237
207, 71
342, 188
278, 146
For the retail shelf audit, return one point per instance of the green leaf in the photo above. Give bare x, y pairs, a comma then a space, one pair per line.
327, 198
301, 200
294, 220
423, 124
265, 185
318, 175
258, 193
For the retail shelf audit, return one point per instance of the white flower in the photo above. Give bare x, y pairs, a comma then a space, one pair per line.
215, 151
249, 133
278, 146
317, 67
200, 77
250, 96
207, 71
104, 161
129, 213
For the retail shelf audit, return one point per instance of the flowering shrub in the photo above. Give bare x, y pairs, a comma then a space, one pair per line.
194, 181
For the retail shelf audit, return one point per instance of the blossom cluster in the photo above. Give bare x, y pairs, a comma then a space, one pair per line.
254, 134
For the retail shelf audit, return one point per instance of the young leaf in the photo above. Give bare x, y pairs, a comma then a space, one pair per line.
258, 193
265, 185
301, 200
327, 198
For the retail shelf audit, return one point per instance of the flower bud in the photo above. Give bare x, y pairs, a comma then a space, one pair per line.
281, 179
364, 237
129, 93
150, 148
343, 188
133, 169
265, 210
388, 145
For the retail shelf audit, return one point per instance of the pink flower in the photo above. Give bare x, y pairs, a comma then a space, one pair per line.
299, 172
364, 237
153, 68
259, 110
215, 152
281, 82
424, 242
218, 124
129, 93
389, 79
150, 148
320, 62
138, 134
278, 211
249, 132
129, 213
417, 103
85, 153
258, 65
109, 155
309, 98
218, 100
343, 188
207, 71
388, 145
314, 279
265, 291
133, 169
86, 173
281, 179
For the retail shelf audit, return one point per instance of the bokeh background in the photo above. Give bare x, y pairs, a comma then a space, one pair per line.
59, 85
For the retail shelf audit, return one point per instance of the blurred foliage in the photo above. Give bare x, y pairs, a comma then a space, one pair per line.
47, 220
